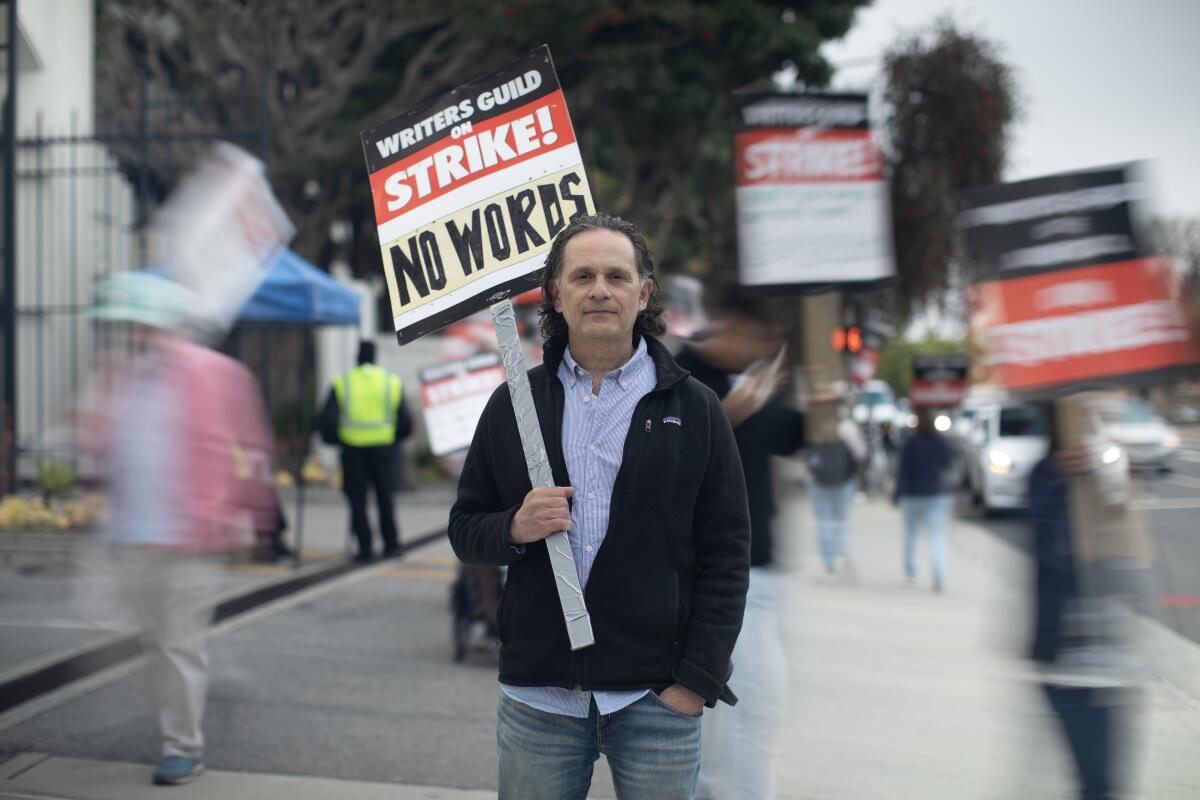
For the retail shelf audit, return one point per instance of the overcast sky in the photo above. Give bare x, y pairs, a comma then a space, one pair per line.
1102, 81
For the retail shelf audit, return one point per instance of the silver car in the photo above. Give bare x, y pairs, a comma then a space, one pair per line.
1134, 425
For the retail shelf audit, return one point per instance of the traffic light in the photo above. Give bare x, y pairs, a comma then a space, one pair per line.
838, 340
854, 339
847, 340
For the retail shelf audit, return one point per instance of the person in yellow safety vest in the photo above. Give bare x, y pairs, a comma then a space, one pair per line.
365, 413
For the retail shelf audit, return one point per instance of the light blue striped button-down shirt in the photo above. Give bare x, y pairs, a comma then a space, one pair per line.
594, 430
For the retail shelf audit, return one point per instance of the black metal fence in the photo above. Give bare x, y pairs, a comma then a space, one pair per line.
83, 199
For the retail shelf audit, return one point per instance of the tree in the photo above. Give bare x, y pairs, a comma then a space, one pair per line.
318, 70
648, 84
950, 102
1178, 237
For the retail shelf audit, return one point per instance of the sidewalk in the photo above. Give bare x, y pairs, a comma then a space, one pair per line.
895, 693
898, 692
42, 621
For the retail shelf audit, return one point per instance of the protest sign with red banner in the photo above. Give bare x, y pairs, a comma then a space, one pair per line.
1075, 297
470, 188
938, 381
453, 396
812, 201
220, 232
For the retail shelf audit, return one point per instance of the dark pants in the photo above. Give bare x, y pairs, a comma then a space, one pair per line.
363, 467
1091, 721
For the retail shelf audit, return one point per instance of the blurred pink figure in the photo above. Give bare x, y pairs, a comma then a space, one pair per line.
182, 430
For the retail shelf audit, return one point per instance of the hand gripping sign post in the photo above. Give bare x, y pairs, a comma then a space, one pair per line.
812, 213
470, 189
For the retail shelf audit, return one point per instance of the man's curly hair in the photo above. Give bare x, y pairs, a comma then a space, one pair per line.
649, 322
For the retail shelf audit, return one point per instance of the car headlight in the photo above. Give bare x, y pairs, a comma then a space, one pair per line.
942, 423
911, 420
999, 462
1111, 455
1171, 440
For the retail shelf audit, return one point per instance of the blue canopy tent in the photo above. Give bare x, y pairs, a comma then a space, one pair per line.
294, 292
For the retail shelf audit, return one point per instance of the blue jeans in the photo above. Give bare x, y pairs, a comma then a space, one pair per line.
740, 743
930, 512
831, 506
653, 751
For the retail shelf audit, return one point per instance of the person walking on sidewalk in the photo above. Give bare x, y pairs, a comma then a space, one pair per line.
183, 431
366, 414
924, 492
740, 360
1083, 578
833, 468
650, 488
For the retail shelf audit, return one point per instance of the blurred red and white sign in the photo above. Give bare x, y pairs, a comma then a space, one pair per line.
812, 200
1077, 299
453, 397
1083, 324
938, 381
220, 231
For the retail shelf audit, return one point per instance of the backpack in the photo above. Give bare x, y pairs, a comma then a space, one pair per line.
831, 463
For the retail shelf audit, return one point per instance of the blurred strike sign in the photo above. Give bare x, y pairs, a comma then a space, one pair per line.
812, 201
938, 381
470, 188
812, 214
1072, 297
220, 232
453, 396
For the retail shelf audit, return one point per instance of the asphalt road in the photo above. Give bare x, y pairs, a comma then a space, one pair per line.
1171, 503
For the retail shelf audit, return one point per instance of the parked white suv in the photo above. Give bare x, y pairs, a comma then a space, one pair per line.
1002, 447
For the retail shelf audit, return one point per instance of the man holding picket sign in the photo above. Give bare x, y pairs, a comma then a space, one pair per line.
650, 486
606, 479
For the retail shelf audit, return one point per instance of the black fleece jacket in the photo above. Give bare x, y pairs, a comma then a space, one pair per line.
668, 586
774, 430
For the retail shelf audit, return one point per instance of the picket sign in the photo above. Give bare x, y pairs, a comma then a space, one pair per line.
220, 232
470, 188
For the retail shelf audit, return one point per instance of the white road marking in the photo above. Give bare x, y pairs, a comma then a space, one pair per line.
1167, 504
1186, 481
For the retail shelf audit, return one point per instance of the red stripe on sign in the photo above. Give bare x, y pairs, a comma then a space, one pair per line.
806, 155
456, 387
532, 130
1082, 324
936, 393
